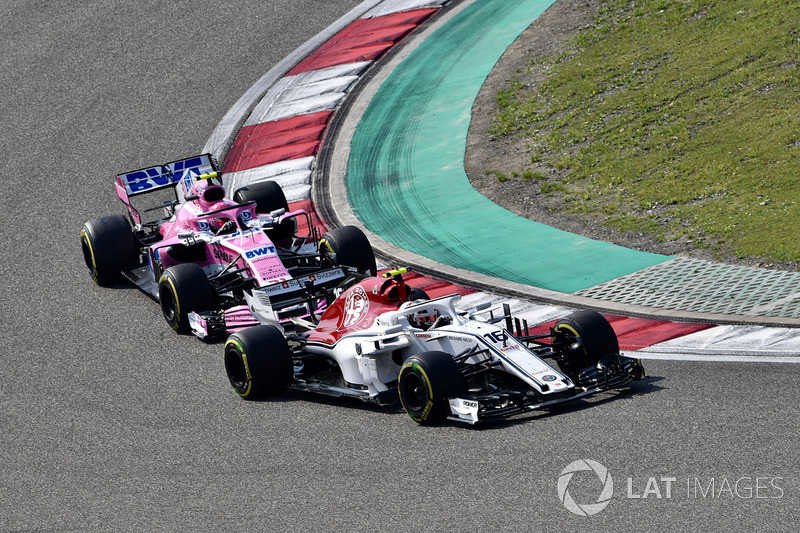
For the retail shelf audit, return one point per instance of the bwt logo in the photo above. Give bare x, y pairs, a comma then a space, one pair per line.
258, 252
147, 179
585, 509
155, 177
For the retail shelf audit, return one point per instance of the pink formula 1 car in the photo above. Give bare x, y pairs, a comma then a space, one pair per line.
210, 260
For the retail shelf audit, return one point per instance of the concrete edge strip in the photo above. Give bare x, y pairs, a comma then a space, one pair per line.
644, 354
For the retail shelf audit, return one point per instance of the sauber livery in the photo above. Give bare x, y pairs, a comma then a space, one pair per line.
382, 341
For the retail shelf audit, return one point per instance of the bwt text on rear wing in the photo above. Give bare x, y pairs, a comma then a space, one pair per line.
183, 172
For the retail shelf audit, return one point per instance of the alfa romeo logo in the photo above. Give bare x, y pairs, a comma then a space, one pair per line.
356, 307
585, 509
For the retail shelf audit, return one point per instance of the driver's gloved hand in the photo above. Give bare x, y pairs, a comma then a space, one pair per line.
228, 227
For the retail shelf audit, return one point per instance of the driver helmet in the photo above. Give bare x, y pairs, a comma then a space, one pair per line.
424, 318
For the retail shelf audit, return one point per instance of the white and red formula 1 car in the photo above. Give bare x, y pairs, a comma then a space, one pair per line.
381, 341
208, 259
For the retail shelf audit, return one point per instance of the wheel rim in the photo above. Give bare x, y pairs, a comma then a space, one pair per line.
87, 255
415, 393
169, 305
237, 374
567, 333
88, 258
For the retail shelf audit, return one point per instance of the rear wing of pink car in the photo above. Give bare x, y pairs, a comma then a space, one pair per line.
179, 175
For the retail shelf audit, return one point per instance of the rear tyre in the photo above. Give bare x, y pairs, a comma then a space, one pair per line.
588, 337
268, 197
108, 247
425, 384
416, 293
348, 246
182, 289
258, 362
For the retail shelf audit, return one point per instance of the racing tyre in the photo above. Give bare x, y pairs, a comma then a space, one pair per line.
181, 289
348, 246
425, 384
258, 362
588, 338
108, 247
416, 293
268, 197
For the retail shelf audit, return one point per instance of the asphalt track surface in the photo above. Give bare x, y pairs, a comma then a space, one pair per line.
110, 422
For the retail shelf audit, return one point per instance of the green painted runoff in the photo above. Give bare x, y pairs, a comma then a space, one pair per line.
406, 178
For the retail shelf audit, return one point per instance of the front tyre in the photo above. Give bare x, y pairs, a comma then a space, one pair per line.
182, 289
108, 246
586, 337
348, 246
258, 362
425, 384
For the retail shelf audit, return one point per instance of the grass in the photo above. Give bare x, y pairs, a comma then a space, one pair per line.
501, 177
677, 118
